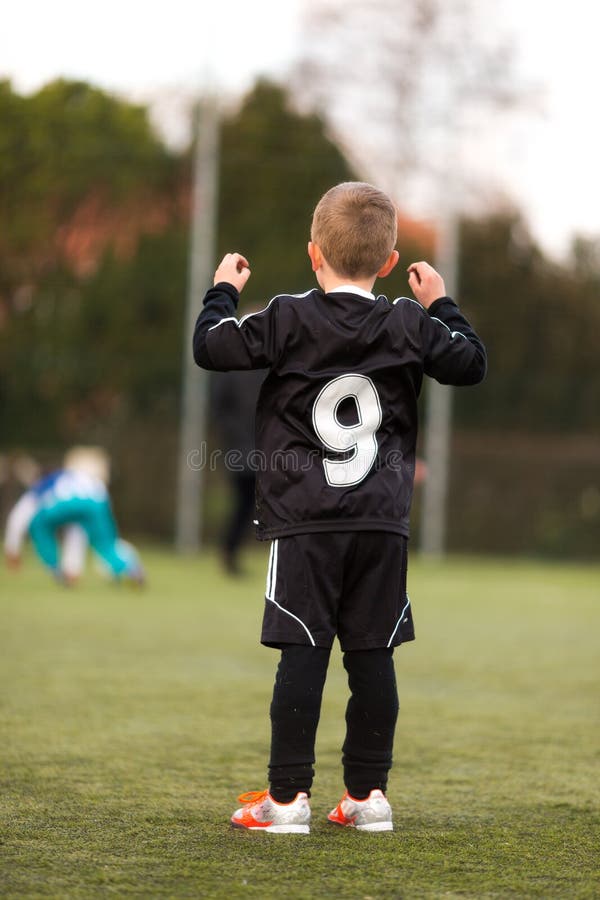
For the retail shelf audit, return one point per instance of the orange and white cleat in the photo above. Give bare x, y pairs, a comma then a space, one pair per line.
260, 812
372, 814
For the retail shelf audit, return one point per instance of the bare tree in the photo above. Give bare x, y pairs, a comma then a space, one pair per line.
407, 84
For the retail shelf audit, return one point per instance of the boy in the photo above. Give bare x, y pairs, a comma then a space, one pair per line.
336, 429
73, 502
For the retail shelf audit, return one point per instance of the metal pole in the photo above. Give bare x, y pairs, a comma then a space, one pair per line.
192, 446
438, 422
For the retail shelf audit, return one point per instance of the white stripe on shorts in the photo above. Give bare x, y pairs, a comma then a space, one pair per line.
272, 584
406, 605
272, 571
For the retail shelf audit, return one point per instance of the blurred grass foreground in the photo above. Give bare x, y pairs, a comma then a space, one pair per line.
131, 720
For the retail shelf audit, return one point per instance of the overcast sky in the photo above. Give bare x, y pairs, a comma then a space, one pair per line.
149, 49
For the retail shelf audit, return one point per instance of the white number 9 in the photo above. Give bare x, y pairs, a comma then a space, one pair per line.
358, 439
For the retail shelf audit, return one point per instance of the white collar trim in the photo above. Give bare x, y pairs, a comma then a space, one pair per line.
352, 289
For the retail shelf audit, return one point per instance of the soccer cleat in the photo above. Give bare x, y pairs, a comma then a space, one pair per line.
260, 812
372, 814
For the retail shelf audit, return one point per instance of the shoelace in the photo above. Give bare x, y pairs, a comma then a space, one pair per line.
252, 797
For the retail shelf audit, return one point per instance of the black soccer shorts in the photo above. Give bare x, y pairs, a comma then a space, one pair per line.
350, 584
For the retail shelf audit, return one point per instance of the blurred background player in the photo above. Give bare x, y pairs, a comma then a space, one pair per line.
233, 401
74, 540
72, 503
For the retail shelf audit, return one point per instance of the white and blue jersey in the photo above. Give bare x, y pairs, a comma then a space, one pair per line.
69, 498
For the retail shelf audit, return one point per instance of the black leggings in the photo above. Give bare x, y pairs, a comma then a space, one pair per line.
370, 719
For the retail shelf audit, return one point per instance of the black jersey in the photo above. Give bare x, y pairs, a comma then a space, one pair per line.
336, 421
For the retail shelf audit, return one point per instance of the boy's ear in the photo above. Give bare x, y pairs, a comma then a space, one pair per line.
390, 263
316, 257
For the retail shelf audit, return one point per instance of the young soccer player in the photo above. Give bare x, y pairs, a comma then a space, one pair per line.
72, 502
336, 428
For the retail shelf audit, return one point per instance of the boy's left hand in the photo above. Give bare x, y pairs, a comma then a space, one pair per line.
426, 284
234, 269
13, 560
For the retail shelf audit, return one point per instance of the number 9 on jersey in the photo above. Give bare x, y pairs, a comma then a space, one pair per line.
359, 439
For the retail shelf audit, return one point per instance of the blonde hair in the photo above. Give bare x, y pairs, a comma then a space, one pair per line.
92, 461
355, 226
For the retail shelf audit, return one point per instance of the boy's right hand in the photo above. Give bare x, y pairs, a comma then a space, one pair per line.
234, 269
426, 284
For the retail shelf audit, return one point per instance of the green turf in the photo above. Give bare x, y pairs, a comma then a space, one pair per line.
131, 720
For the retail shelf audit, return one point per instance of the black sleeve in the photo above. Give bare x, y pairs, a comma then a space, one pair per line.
220, 302
453, 353
222, 342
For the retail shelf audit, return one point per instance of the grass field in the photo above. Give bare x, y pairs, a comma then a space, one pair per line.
130, 720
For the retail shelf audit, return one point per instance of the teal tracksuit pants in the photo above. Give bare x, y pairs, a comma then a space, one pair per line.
94, 516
